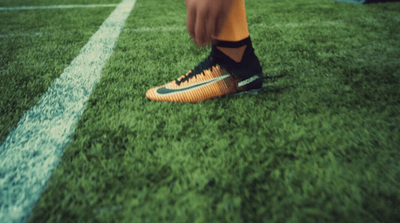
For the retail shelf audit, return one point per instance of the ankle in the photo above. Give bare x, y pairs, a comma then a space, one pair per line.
237, 58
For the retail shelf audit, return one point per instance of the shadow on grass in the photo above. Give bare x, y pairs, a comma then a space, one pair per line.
277, 76
272, 84
268, 88
277, 89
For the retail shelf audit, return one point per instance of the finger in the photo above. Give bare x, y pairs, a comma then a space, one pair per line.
200, 26
210, 28
220, 21
191, 20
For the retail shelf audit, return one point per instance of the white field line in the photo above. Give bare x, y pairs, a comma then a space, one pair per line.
299, 24
257, 25
183, 28
55, 7
158, 29
12, 35
31, 151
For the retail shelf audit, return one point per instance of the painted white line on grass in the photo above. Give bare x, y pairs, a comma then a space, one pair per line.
299, 24
158, 29
33, 149
183, 28
12, 35
55, 7
263, 25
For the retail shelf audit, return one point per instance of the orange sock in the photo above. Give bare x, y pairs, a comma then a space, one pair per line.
234, 30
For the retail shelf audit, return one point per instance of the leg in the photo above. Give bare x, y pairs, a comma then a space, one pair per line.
233, 47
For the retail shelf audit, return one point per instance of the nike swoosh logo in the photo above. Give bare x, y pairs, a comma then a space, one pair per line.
167, 91
248, 81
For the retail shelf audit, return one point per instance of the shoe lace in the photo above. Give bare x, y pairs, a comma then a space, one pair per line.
206, 64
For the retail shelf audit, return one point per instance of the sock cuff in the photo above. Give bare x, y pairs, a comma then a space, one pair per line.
231, 44
249, 65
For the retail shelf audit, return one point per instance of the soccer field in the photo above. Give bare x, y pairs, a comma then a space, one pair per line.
79, 142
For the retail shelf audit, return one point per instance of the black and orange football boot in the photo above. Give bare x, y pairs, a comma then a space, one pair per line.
216, 76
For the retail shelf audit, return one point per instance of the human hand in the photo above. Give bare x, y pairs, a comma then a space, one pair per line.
205, 18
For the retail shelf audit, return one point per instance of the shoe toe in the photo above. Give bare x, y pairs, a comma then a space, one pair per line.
151, 93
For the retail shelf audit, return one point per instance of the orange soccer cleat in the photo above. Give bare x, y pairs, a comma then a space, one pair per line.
208, 80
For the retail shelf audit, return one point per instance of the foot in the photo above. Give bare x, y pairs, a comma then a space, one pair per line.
207, 80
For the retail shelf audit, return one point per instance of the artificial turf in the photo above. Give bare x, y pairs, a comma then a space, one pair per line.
35, 47
320, 143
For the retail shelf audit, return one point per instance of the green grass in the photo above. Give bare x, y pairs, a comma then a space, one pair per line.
318, 144
35, 47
